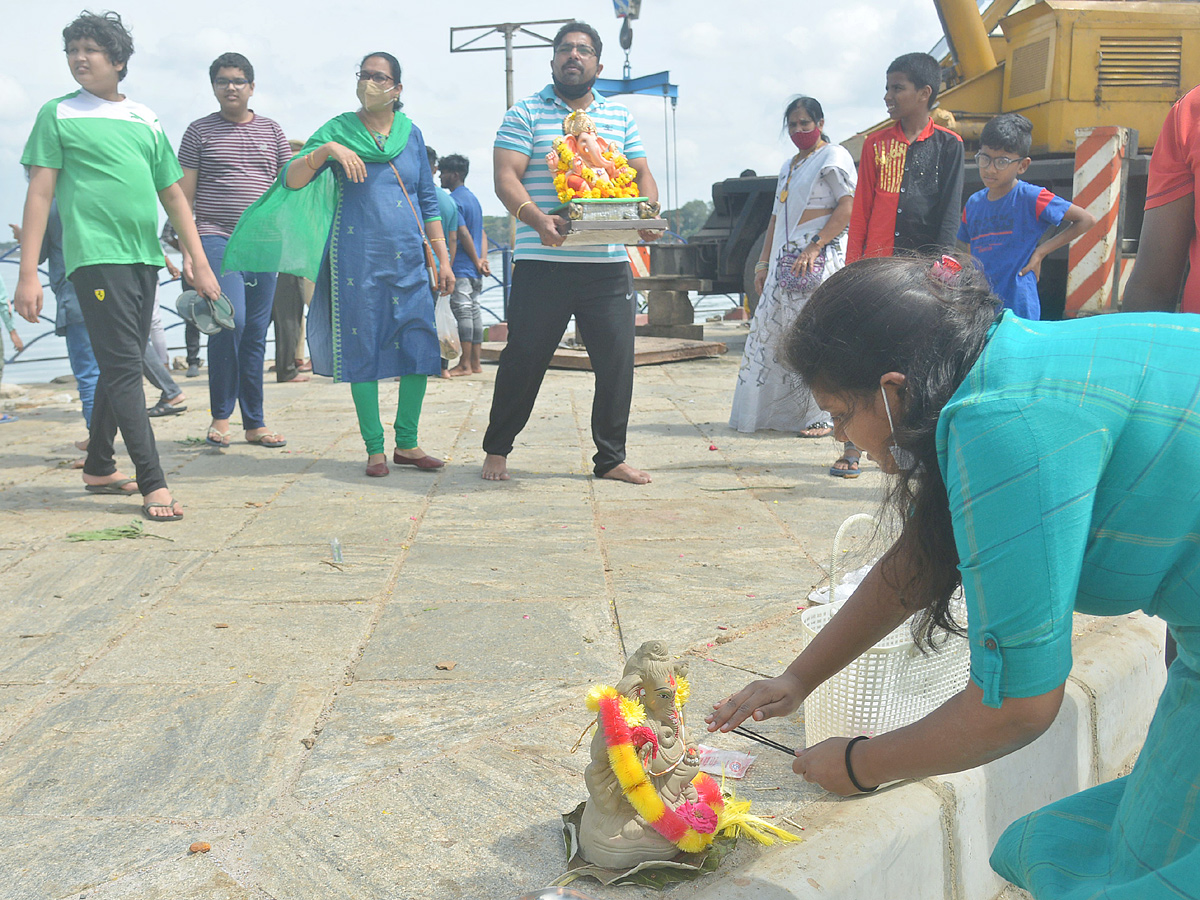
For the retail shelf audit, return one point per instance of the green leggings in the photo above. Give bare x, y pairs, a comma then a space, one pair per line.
408, 412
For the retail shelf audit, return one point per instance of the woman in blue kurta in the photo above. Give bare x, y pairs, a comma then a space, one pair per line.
1048, 467
353, 211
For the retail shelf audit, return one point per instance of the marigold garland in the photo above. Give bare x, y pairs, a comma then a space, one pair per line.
693, 826
579, 181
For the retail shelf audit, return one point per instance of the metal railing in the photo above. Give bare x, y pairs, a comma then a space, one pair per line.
12, 255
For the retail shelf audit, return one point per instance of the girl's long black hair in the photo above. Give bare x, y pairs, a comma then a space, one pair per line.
899, 315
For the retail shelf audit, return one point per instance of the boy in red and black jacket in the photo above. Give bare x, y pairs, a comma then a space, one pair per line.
910, 179
910, 175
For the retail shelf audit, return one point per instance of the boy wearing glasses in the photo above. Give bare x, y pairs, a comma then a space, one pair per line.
1004, 222
229, 159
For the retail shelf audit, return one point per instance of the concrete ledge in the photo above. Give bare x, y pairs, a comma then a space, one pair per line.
932, 839
883, 845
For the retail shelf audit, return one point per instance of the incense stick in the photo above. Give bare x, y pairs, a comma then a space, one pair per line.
765, 741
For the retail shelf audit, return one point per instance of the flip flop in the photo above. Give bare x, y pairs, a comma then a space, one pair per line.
824, 428
267, 439
111, 487
174, 517
210, 316
221, 440
165, 408
846, 473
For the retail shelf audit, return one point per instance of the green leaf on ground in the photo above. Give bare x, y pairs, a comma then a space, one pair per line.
116, 533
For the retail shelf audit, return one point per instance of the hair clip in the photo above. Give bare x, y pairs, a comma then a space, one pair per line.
947, 270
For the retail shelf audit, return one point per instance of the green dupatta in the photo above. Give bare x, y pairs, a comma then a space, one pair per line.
285, 230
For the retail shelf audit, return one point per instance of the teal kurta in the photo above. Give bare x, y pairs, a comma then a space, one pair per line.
1071, 455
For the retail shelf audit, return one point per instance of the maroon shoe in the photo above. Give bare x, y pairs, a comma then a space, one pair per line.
425, 462
378, 470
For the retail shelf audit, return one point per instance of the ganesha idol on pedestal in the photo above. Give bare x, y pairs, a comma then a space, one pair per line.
648, 799
598, 188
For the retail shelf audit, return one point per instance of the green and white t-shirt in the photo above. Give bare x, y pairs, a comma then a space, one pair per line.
113, 159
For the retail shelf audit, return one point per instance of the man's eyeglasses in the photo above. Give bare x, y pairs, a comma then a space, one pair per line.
237, 83
983, 161
377, 77
587, 51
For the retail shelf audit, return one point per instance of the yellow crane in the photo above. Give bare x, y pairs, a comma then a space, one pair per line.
1067, 64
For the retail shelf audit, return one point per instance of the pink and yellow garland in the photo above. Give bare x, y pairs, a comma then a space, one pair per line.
692, 826
574, 180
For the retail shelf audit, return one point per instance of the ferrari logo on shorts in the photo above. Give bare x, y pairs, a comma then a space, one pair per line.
99, 292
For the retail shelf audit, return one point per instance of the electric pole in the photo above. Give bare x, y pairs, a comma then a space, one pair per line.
534, 41
508, 30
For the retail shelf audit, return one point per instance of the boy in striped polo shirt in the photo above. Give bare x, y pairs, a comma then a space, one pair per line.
230, 158
106, 160
551, 283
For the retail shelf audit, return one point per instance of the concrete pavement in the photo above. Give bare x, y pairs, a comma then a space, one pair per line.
396, 725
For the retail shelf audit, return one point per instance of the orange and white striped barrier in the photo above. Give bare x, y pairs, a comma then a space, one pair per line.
639, 259
1092, 267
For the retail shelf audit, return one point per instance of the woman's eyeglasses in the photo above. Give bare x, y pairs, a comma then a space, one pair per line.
377, 77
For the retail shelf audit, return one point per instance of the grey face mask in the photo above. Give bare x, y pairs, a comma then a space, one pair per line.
905, 460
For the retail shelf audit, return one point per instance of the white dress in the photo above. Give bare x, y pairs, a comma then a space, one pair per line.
768, 396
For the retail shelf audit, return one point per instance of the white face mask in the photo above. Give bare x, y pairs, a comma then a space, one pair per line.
905, 460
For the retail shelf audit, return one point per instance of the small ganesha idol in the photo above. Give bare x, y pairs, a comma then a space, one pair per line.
648, 799
587, 167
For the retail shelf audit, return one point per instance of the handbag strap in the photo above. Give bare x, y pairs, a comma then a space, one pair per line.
420, 224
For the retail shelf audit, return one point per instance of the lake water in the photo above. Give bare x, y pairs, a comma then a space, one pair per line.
45, 356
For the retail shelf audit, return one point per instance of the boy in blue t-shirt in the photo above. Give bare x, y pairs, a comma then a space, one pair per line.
1004, 222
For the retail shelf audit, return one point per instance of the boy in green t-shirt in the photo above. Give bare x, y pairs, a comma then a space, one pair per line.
107, 159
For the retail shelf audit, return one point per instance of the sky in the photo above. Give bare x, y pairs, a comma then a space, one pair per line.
736, 66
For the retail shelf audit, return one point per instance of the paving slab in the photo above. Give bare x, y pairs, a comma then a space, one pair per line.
498, 641
315, 743
215, 643
290, 573
60, 857
158, 751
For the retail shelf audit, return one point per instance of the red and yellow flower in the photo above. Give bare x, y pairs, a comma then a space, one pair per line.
692, 826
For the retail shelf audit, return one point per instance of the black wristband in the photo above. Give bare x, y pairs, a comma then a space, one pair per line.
850, 771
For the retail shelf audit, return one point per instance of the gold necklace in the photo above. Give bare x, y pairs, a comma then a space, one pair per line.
783, 195
796, 160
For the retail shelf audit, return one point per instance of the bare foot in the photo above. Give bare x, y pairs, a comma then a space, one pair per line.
130, 488
626, 472
457, 371
476, 370
162, 495
78, 463
82, 446
495, 468
444, 374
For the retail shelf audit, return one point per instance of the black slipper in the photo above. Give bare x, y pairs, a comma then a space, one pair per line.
165, 408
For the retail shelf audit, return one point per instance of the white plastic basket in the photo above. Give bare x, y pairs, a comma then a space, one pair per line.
891, 685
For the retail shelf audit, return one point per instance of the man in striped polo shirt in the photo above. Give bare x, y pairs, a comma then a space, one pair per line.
230, 158
551, 283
